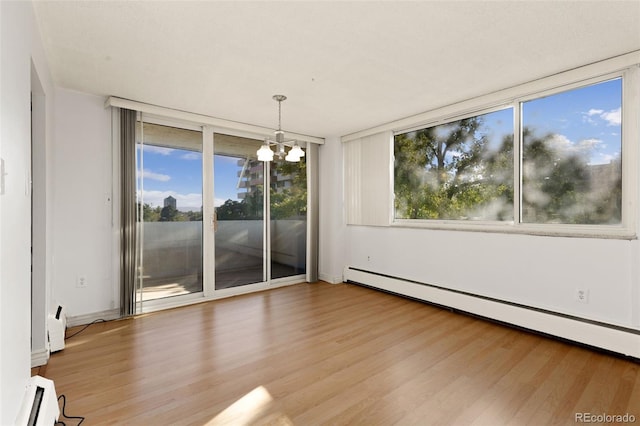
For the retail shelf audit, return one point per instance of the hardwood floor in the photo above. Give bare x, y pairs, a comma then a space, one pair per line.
331, 354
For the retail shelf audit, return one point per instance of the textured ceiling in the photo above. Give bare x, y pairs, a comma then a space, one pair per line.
345, 66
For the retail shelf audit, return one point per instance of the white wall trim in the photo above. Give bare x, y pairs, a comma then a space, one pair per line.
205, 119
108, 315
39, 357
611, 338
330, 279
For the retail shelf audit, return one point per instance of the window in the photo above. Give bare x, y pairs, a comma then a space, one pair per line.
571, 156
461, 170
558, 163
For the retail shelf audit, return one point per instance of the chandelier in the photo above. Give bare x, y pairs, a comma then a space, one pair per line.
265, 153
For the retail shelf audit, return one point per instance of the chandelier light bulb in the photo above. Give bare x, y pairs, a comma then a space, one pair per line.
265, 153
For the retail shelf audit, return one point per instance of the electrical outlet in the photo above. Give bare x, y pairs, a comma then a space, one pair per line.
81, 282
582, 295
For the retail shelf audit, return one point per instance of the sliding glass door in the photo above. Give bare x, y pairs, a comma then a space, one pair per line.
205, 221
169, 199
239, 201
288, 218
260, 236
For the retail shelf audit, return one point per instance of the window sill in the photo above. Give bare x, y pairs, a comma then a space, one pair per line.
546, 230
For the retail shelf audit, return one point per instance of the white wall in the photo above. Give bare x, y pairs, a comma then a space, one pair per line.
542, 272
332, 225
20, 45
41, 250
82, 181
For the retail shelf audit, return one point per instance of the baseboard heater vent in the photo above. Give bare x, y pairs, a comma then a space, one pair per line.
40, 404
621, 340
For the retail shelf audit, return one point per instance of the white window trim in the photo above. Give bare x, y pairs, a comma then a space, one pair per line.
224, 126
618, 67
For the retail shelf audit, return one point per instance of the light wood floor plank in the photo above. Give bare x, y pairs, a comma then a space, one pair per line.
314, 354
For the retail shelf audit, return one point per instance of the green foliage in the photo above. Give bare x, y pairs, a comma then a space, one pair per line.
449, 172
291, 202
560, 186
250, 208
150, 214
286, 203
230, 210
168, 214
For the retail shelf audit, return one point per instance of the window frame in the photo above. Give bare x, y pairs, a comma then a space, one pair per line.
445, 121
575, 79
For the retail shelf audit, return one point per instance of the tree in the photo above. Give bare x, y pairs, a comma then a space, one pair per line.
449, 172
150, 214
231, 210
169, 214
291, 202
253, 204
560, 186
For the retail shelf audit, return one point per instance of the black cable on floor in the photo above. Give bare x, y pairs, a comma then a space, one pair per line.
64, 404
84, 328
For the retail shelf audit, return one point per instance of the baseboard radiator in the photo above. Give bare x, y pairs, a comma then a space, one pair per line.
621, 340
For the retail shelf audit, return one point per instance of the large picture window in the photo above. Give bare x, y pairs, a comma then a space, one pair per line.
461, 170
555, 158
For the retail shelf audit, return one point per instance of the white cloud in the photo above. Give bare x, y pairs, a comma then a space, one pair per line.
588, 144
602, 158
583, 147
613, 117
148, 174
184, 202
191, 156
560, 142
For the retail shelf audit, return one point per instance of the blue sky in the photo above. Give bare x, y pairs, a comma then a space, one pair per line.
178, 173
587, 119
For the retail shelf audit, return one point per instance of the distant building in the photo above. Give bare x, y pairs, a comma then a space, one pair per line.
170, 201
251, 178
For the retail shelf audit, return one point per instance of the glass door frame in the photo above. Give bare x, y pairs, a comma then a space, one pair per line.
184, 299
209, 211
209, 291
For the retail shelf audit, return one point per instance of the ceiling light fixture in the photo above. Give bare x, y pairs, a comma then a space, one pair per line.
265, 153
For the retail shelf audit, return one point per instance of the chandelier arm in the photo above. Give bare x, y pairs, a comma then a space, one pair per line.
265, 151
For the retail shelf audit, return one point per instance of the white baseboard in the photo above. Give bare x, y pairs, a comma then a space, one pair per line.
330, 279
108, 315
621, 340
39, 357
